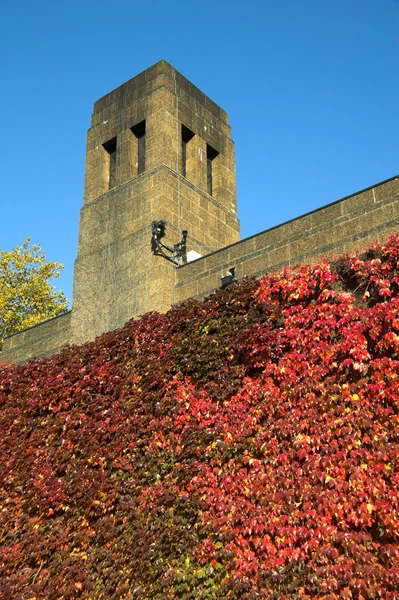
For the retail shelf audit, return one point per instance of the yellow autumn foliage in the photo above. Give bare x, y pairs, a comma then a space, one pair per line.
26, 294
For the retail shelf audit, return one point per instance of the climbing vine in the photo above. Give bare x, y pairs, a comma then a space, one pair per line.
245, 446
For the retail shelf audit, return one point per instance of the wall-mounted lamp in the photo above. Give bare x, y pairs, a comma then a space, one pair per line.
229, 278
178, 254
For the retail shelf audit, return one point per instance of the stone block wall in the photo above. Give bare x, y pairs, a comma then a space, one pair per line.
344, 226
116, 275
42, 340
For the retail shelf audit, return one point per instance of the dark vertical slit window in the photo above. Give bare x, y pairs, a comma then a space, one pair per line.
186, 136
139, 131
211, 154
110, 147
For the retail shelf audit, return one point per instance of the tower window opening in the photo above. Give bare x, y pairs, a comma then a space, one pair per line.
139, 132
186, 136
211, 154
110, 148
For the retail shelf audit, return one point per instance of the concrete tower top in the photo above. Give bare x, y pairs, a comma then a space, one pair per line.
168, 121
158, 75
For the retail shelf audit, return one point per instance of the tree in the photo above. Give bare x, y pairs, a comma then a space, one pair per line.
26, 294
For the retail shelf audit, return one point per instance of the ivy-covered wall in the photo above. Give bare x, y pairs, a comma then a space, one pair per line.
245, 446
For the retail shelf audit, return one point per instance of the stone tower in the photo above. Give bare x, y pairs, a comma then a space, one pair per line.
157, 149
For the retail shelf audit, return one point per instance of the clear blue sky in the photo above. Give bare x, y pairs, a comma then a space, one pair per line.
311, 87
